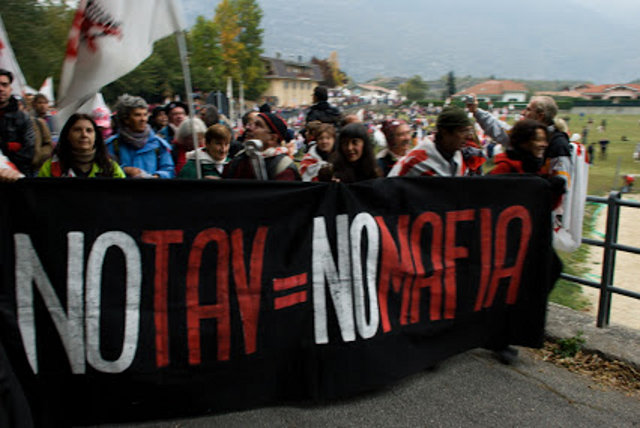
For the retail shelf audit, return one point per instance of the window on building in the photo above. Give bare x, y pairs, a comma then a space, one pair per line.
286, 84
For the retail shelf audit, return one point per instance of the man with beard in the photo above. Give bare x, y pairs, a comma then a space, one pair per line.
138, 150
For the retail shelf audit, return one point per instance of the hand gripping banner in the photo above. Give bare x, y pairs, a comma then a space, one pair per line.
126, 300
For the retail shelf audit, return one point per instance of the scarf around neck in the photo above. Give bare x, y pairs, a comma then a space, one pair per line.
135, 139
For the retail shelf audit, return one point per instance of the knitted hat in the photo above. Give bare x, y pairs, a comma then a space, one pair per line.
275, 124
453, 117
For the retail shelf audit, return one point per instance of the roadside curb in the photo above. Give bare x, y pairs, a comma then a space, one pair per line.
614, 342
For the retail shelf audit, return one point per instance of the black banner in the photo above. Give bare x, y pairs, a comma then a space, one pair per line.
126, 300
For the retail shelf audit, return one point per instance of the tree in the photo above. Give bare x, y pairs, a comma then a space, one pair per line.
451, 84
414, 89
252, 67
158, 77
205, 55
37, 31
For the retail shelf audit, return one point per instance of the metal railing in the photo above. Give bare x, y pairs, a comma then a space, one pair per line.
611, 246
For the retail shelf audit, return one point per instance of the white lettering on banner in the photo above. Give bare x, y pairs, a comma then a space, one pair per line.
29, 270
364, 221
347, 281
339, 280
131, 253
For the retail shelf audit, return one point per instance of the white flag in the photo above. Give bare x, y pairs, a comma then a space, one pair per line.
8, 62
47, 89
108, 39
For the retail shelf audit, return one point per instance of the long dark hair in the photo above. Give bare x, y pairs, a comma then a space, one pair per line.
362, 169
64, 149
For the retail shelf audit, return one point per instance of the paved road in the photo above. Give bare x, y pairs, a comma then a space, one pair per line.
471, 389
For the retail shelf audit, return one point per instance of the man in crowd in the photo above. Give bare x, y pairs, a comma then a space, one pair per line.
398, 137
442, 156
138, 150
41, 110
17, 139
177, 113
321, 109
264, 157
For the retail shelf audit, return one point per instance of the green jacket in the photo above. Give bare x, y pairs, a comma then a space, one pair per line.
207, 166
51, 168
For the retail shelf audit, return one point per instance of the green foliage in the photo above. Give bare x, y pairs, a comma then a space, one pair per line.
414, 89
238, 24
250, 15
205, 56
159, 76
37, 31
451, 84
568, 348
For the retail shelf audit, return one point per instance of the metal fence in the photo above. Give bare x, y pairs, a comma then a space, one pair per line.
611, 246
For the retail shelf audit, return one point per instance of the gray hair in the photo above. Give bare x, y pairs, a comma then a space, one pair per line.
547, 106
126, 104
184, 131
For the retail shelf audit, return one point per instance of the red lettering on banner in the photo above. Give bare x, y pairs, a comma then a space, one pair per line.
451, 253
434, 281
220, 310
514, 272
162, 239
395, 268
249, 292
485, 254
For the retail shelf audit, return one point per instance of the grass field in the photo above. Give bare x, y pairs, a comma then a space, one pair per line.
605, 175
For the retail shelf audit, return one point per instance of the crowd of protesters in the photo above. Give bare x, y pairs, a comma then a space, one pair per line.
321, 144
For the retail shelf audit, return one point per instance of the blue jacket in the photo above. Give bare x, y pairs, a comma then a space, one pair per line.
154, 157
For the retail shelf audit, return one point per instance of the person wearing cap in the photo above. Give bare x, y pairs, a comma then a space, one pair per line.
176, 114
102, 118
265, 158
138, 150
17, 137
442, 156
398, 136
158, 119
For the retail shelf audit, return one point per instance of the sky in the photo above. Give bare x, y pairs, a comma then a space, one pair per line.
289, 36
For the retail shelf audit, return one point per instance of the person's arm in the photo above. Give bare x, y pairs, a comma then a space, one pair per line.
494, 128
166, 168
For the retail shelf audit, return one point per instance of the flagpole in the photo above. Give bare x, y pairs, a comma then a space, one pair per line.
182, 48
241, 98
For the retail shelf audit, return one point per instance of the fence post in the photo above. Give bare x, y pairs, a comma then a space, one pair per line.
609, 259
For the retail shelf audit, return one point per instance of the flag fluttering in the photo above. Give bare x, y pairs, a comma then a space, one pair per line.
108, 39
47, 89
8, 62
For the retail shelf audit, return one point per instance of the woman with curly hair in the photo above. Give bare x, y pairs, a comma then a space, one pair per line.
529, 140
81, 152
354, 159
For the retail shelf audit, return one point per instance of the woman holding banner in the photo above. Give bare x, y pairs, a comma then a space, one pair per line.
81, 152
